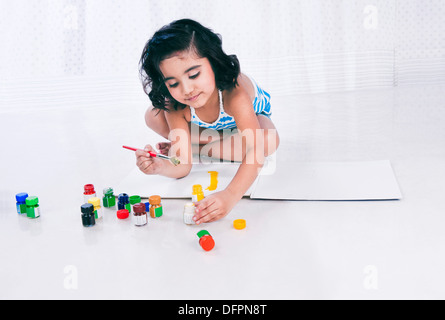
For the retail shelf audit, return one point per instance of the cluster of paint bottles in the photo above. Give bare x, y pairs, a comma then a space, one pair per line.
126, 205
132, 205
92, 210
27, 205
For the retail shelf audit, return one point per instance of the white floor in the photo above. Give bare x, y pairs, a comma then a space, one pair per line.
289, 250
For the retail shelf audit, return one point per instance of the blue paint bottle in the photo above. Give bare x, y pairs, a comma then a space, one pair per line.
123, 202
21, 202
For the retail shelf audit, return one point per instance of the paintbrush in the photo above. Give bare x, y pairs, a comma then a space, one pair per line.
175, 161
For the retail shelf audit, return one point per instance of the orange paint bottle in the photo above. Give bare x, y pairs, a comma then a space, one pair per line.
156, 206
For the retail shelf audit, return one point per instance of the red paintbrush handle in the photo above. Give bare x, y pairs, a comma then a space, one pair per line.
151, 153
130, 148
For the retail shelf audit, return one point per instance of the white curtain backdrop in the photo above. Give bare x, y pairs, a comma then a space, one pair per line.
289, 46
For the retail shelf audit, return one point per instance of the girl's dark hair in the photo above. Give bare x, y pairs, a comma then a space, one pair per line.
184, 35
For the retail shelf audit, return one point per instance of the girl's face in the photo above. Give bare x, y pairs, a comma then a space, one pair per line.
189, 79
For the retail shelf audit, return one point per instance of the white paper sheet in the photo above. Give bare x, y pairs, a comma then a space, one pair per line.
368, 180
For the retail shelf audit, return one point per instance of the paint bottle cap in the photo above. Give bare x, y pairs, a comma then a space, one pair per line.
108, 191
21, 197
203, 233
94, 201
189, 207
207, 242
239, 224
87, 208
32, 201
123, 198
197, 188
123, 214
89, 189
154, 200
139, 208
135, 199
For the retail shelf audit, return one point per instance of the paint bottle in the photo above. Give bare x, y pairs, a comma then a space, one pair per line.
122, 214
32, 207
205, 240
197, 194
109, 200
21, 202
189, 212
89, 192
123, 202
156, 206
98, 213
88, 218
134, 200
139, 215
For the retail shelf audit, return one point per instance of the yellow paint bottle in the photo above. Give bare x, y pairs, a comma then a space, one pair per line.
98, 214
197, 194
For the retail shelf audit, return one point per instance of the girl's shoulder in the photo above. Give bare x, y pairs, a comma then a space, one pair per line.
178, 113
243, 92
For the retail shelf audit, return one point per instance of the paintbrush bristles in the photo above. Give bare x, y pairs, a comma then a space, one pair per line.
175, 161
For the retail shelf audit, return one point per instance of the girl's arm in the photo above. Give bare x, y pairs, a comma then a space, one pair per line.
221, 203
252, 146
180, 147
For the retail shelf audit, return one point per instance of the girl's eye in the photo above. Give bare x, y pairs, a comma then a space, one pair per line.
195, 75
174, 85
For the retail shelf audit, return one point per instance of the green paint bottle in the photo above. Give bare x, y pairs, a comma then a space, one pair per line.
109, 200
32, 207
135, 199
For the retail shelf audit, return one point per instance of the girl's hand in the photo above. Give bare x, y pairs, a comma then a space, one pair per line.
146, 163
214, 207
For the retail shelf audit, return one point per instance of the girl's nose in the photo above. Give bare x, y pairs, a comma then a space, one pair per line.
187, 89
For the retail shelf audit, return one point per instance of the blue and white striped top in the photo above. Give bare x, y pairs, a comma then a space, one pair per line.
261, 105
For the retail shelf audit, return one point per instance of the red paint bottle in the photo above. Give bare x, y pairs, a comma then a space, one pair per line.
89, 192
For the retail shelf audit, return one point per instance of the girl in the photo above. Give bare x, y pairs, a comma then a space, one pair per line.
197, 94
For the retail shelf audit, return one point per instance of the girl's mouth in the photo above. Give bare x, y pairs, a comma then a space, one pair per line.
194, 98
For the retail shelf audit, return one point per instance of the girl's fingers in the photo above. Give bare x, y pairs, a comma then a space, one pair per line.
144, 153
144, 163
148, 148
208, 216
141, 153
202, 205
205, 209
143, 166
